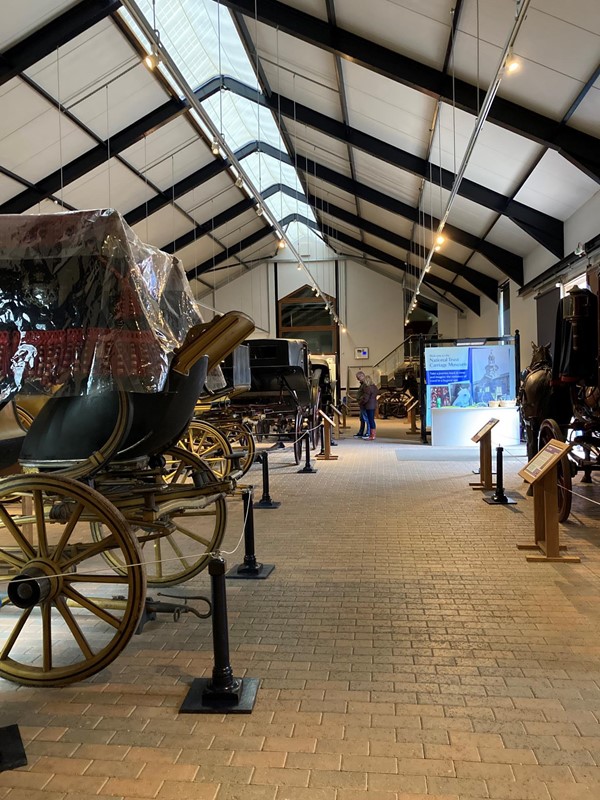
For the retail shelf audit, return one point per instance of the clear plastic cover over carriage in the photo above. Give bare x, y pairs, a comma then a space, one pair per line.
86, 307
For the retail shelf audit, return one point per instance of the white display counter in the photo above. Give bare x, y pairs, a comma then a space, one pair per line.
454, 427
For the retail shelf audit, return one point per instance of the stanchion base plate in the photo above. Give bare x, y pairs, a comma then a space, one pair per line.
267, 504
477, 487
200, 700
240, 572
307, 470
12, 752
506, 501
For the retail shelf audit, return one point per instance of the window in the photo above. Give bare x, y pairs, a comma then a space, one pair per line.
302, 315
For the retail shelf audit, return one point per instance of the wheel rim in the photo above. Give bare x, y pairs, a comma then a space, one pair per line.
240, 437
208, 443
181, 553
298, 438
549, 429
75, 620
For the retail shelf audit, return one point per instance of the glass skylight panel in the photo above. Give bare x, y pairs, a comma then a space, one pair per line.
242, 121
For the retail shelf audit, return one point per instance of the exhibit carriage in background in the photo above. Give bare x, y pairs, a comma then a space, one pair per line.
559, 396
106, 328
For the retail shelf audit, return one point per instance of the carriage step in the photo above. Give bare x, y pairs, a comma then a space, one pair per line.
153, 607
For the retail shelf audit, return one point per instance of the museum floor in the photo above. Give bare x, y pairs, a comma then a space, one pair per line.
405, 647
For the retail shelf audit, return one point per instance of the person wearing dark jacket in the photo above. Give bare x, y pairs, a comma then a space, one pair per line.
361, 397
370, 406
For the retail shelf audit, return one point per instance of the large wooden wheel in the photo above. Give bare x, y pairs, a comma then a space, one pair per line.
315, 420
60, 620
549, 429
240, 437
210, 444
183, 547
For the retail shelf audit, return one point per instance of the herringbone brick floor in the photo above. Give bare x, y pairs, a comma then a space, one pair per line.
406, 650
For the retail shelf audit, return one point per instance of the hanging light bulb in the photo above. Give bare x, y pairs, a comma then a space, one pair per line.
512, 64
343, 329
259, 211
215, 149
299, 266
281, 244
239, 182
437, 248
440, 239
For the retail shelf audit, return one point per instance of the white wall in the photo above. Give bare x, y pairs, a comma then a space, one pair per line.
250, 293
473, 326
447, 321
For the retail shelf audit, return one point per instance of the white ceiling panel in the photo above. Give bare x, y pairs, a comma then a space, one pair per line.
20, 19
9, 188
171, 151
206, 201
388, 110
392, 222
385, 247
111, 185
378, 175
316, 8
481, 264
500, 159
46, 207
162, 227
587, 116
556, 187
411, 27
198, 252
34, 138
304, 138
333, 223
508, 235
325, 158
464, 213
238, 228
298, 70
325, 194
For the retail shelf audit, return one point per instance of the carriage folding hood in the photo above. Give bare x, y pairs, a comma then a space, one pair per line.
85, 306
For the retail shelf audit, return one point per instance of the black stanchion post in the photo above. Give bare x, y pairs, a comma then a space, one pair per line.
222, 693
251, 568
308, 467
265, 501
499, 497
322, 431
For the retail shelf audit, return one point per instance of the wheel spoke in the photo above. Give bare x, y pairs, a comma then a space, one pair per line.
17, 535
15, 634
9, 558
69, 528
196, 537
47, 636
71, 622
108, 543
158, 558
177, 550
89, 605
38, 506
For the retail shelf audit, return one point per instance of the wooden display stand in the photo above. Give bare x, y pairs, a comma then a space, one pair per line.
541, 472
412, 418
338, 415
326, 455
344, 416
484, 438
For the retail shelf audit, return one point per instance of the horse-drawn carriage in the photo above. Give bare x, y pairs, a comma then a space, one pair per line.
101, 502
559, 396
281, 400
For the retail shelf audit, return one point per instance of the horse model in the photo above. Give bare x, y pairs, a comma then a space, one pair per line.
535, 395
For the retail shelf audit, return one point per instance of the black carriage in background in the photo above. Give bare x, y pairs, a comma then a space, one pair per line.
280, 400
559, 396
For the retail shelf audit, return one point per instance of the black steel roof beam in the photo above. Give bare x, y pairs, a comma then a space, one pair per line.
92, 158
230, 252
543, 228
54, 34
580, 148
211, 225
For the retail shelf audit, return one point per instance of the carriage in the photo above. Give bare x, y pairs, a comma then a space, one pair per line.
101, 502
282, 400
559, 397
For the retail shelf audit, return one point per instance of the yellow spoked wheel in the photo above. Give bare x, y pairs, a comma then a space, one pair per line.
63, 617
240, 437
210, 444
179, 546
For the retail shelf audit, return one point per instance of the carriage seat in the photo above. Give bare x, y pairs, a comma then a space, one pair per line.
69, 430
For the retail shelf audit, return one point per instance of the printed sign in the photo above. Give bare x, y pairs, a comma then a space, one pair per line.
361, 352
541, 463
486, 429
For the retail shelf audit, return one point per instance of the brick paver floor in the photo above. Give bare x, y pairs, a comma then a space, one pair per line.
405, 647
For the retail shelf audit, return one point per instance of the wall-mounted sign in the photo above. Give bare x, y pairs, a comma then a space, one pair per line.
361, 352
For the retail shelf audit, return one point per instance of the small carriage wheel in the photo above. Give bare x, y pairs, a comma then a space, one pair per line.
549, 429
59, 595
239, 434
210, 444
182, 551
298, 437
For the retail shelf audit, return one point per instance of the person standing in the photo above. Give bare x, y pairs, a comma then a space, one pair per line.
370, 406
361, 396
